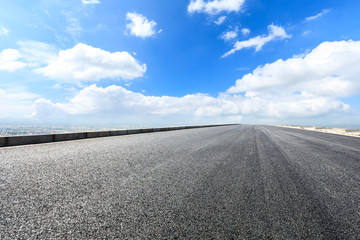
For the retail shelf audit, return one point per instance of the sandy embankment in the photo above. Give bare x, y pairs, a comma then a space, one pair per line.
340, 131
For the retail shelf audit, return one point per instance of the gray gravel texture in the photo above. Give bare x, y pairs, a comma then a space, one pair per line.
232, 182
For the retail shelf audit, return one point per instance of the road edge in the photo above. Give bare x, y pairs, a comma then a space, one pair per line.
337, 131
47, 138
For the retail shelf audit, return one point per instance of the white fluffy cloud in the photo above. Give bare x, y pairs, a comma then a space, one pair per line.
323, 12
120, 103
215, 6
115, 102
327, 71
299, 87
29, 54
79, 64
9, 60
226, 36
90, 1
140, 26
86, 63
275, 32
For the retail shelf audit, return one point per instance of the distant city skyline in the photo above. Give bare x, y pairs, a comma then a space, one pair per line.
158, 63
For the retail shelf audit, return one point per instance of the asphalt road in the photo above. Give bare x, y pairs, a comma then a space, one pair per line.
233, 182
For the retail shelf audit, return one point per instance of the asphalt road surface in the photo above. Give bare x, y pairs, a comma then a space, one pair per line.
232, 182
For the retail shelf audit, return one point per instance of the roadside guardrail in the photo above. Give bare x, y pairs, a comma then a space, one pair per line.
47, 138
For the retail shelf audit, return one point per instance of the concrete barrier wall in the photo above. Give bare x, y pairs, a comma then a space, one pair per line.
134, 131
147, 130
2, 141
69, 136
22, 140
118, 132
34, 139
97, 134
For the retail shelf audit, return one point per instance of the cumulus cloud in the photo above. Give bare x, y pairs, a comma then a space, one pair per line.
305, 86
323, 12
30, 54
115, 102
226, 36
327, 71
140, 26
95, 99
300, 87
10, 60
79, 64
86, 63
275, 32
215, 6
120, 103
220, 20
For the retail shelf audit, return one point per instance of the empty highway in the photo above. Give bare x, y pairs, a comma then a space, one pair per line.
230, 182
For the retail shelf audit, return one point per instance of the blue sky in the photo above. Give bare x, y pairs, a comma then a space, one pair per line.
180, 62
